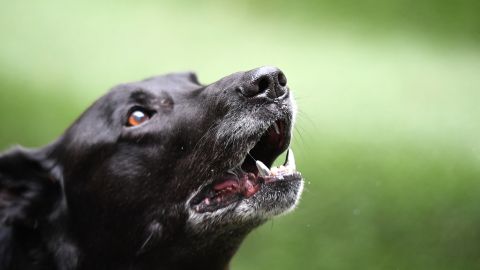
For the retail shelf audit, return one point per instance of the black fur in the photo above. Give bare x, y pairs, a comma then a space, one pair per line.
109, 196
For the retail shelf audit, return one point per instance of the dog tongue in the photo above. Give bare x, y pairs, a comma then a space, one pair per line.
225, 184
247, 185
250, 186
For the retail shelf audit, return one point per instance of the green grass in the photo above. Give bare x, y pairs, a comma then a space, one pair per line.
387, 135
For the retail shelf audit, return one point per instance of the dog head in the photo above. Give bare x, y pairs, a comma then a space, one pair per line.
160, 161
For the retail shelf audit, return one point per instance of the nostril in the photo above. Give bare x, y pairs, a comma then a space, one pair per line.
282, 80
263, 84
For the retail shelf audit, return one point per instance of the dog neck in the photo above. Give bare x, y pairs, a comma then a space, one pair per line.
202, 251
180, 251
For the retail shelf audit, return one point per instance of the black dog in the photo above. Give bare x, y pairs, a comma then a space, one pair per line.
164, 173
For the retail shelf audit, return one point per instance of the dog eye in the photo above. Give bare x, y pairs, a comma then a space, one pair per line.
137, 117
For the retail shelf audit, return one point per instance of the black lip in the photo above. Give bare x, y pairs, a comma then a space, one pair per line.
198, 203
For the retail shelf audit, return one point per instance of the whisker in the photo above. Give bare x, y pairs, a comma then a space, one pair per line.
251, 157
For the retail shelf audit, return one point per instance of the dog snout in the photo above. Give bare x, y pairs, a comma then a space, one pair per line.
269, 82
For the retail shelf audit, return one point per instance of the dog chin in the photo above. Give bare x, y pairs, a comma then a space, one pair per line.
269, 202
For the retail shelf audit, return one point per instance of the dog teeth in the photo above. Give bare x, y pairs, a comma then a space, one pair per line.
275, 126
287, 168
262, 168
290, 160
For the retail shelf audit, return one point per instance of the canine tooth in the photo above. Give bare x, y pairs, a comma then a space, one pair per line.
275, 126
262, 168
290, 161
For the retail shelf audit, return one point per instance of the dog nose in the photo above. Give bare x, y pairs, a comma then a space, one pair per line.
268, 81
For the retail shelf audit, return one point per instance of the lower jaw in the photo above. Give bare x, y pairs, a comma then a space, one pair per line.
237, 184
213, 204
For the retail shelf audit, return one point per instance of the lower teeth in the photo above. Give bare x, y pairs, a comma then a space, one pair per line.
288, 167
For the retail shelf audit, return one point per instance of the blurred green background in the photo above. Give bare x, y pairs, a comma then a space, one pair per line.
388, 133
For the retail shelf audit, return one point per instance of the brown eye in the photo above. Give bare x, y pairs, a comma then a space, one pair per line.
137, 117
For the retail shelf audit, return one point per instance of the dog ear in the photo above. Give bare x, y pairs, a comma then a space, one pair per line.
188, 76
28, 188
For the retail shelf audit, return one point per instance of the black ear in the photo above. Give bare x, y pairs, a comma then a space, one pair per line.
28, 189
188, 76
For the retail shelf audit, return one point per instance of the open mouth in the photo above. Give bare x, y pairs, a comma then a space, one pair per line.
256, 171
